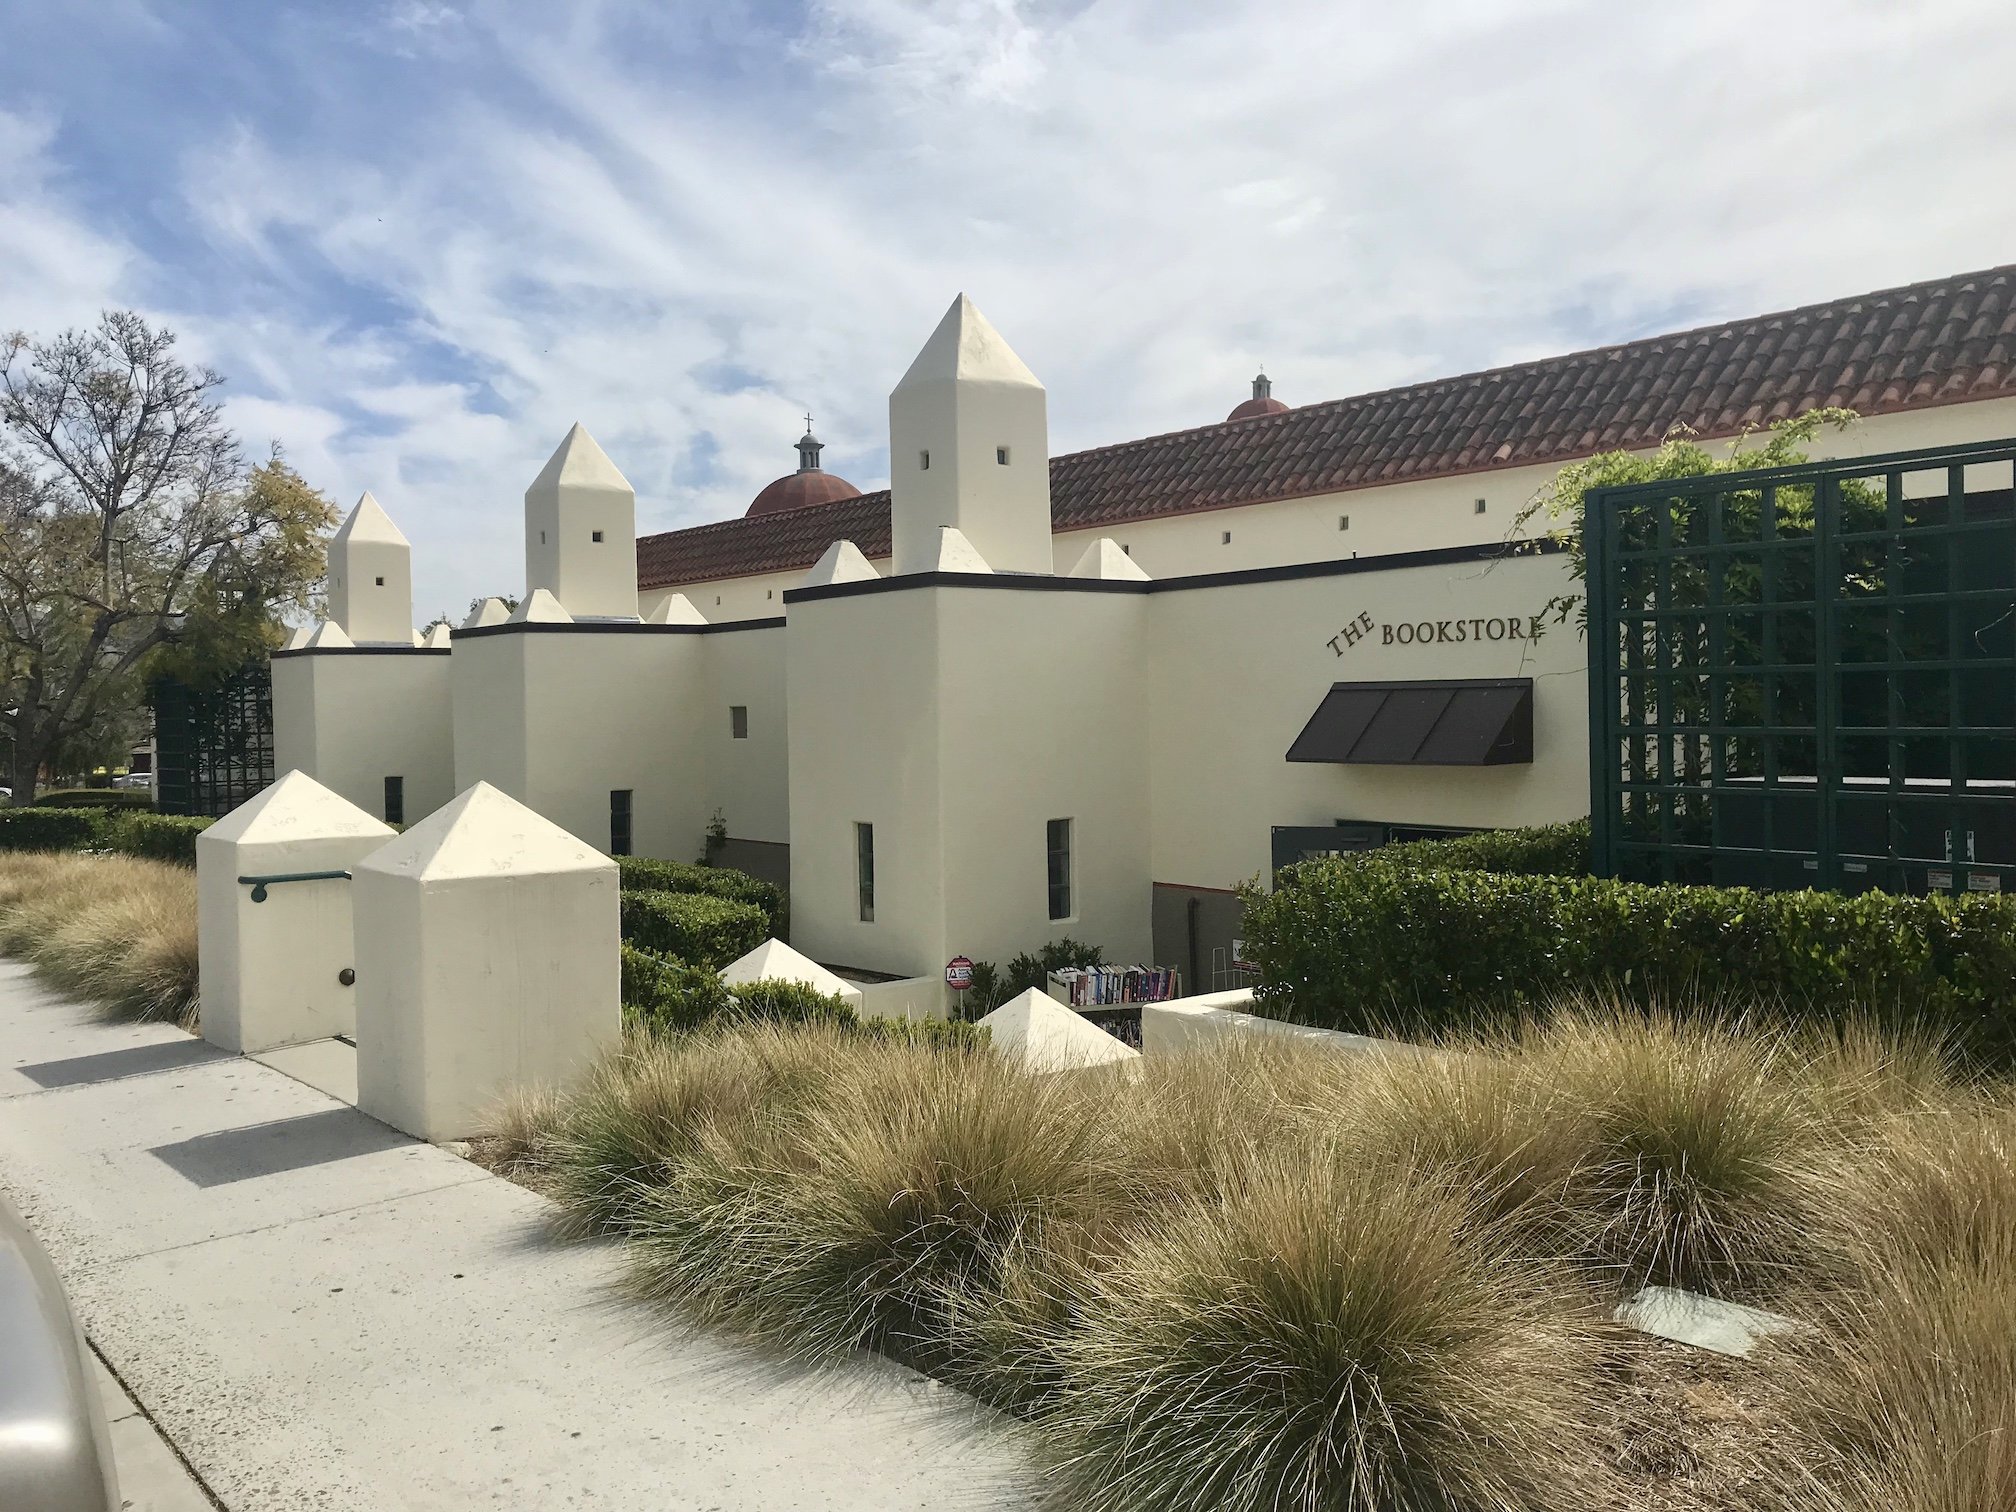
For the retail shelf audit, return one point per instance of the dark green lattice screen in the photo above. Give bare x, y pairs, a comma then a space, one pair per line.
213, 744
1807, 677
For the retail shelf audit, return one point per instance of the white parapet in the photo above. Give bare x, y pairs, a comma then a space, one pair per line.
774, 961
271, 957
486, 959
1197, 1023
1045, 1035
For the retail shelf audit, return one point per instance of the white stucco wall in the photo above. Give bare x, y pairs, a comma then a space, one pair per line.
558, 717
352, 718
1235, 672
747, 780
864, 749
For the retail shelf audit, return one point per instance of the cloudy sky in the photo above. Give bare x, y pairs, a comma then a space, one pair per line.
421, 237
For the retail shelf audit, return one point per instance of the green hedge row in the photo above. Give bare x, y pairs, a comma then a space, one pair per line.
648, 874
99, 798
51, 829
161, 837
693, 927
672, 997
1370, 944
1546, 850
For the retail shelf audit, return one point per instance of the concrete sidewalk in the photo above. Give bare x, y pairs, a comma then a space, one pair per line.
318, 1312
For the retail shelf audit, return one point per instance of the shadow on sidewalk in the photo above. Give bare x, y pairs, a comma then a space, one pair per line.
285, 1144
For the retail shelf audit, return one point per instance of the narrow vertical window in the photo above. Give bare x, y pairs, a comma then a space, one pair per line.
864, 870
1058, 842
1001, 456
924, 461
619, 821
738, 721
395, 800
1343, 522
1480, 506
1225, 538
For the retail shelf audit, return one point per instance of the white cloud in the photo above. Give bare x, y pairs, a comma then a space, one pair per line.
672, 226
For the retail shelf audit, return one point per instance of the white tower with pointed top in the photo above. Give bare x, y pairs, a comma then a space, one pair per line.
969, 448
581, 532
371, 578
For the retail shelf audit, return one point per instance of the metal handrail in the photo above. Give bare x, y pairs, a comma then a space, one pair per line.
260, 884
55, 1448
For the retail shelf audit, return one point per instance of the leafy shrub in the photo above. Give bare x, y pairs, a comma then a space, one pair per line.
668, 996
692, 927
934, 1034
1546, 850
1370, 946
992, 985
95, 798
50, 829
159, 837
648, 874
790, 1003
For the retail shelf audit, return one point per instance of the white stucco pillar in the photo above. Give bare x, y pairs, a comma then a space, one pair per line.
486, 958
271, 958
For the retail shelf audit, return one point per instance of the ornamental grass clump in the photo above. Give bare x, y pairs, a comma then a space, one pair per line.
640, 1116
1330, 1335
1700, 1141
892, 1194
115, 931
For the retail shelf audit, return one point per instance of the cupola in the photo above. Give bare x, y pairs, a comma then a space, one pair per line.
805, 487
1263, 401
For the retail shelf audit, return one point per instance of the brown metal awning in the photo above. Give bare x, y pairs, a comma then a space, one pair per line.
1450, 722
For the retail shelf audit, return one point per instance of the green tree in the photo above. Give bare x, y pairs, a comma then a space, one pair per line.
133, 536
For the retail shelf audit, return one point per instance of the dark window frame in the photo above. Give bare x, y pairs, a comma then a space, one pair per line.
622, 817
1058, 838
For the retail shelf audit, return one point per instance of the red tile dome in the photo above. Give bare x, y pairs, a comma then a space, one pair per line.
1263, 402
805, 487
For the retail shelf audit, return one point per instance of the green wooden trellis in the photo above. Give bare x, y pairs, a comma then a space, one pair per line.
1806, 676
213, 745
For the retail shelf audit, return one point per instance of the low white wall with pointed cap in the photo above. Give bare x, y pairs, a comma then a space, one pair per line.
271, 970
774, 961
486, 959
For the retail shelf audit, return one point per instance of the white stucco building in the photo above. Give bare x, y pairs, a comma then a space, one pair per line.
1016, 697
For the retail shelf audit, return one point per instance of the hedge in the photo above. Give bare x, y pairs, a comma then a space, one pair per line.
163, 837
1547, 850
51, 829
648, 874
96, 798
1370, 944
692, 927
671, 997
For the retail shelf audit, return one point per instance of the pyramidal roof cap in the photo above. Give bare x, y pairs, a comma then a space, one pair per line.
540, 607
437, 638
774, 961
295, 807
492, 611
579, 463
956, 553
369, 522
484, 832
329, 635
675, 609
1047, 1036
967, 349
1105, 559
842, 563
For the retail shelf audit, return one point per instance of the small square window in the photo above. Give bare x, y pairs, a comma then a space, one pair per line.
1343, 522
1480, 506
1225, 538
595, 535
738, 721
924, 461
1001, 456
381, 582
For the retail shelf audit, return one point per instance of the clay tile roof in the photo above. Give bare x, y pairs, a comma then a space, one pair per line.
1945, 340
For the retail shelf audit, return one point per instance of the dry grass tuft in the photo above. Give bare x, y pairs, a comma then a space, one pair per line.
1331, 1335
117, 931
